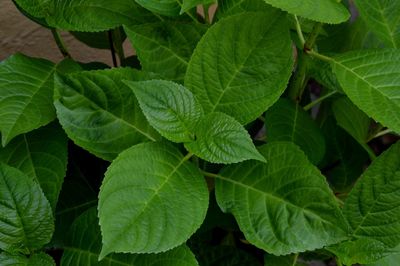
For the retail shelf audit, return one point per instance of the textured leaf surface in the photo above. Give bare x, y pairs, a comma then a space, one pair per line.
84, 244
231, 7
94, 15
169, 107
38, 259
282, 206
36, 8
327, 11
370, 78
372, 210
149, 193
221, 139
100, 113
164, 47
256, 52
382, 17
41, 155
26, 95
286, 121
163, 7
26, 216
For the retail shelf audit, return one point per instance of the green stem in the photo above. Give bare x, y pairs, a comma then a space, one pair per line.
112, 49
338, 263
317, 101
380, 134
312, 37
188, 13
60, 44
117, 42
187, 157
296, 256
300, 32
320, 56
299, 82
206, 15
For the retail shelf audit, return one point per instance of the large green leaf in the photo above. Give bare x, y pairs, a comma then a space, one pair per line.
382, 17
84, 244
94, 15
282, 206
149, 194
288, 260
327, 11
41, 155
169, 107
100, 113
26, 93
38, 259
163, 7
370, 80
372, 208
164, 47
221, 139
242, 64
231, 7
286, 121
26, 217
36, 8
389, 260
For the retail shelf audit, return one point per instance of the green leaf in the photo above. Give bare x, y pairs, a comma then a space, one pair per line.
283, 206
26, 93
41, 155
163, 7
165, 47
38, 259
389, 260
326, 11
35, 8
94, 15
289, 260
189, 4
149, 193
225, 256
231, 7
100, 113
84, 245
382, 18
369, 78
286, 121
27, 220
242, 65
372, 211
221, 139
169, 107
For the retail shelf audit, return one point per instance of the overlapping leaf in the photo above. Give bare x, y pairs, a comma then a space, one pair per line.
41, 155
100, 113
242, 65
26, 217
282, 206
164, 47
231, 7
37, 259
286, 121
170, 108
26, 95
221, 139
162, 7
382, 17
327, 11
149, 193
370, 78
84, 244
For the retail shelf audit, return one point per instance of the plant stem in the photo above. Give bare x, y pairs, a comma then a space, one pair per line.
338, 263
117, 41
111, 42
317, 101
320, 56
312, 38
296, 256
206, 14
60, 44
299, 32
188, 13
187, 157
382, 133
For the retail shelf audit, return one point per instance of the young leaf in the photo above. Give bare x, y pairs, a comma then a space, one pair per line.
169, 107
221, 139
164, 47
372, 211
257, 57
26, 94
95, 15
369, 78
37, 259
84, 245
27, 219
149, 193
382, 17
100, 113
282, 206
162, 7
41, 155
326, 11
286, 121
